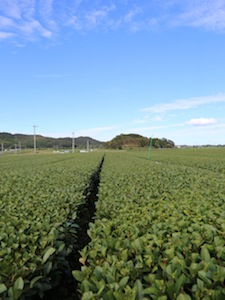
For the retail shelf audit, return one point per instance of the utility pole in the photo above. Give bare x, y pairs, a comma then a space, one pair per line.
35, 146
150, 149
73, 144
2, 149
88, 147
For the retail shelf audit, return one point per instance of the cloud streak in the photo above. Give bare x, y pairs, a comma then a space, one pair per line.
184, 104
95, 131
5, 35
53, 76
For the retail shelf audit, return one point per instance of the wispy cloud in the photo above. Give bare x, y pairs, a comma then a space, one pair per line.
46, 12
97, 16
32, 19
202, 121
10, 9
202, 13
52, 76
5, 22
131, 14
32, 28
46, 8
5, 35
147, 119
133, 19
141, 121
23, 19
184, 104
83, 17
96, 131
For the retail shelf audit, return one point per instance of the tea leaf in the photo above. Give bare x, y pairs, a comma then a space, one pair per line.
48, 253
3, 288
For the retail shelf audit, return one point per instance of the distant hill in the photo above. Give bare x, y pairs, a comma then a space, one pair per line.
135, 140
26, 141
121, 141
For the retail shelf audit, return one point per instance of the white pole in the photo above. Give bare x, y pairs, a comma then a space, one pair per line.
35, 145
73, 144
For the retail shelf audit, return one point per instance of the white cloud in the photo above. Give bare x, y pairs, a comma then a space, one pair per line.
184, 104
202, 121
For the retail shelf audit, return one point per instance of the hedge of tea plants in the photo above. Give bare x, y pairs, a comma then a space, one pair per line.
39, 197
159, 231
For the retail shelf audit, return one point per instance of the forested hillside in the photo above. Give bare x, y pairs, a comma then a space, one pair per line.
136, 140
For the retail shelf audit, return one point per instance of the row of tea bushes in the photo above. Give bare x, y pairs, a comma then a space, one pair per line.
38, 195
159, 233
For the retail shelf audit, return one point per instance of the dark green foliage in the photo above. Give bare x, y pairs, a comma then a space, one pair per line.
135, 140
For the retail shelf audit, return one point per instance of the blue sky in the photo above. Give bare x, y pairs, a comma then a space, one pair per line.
102, 68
